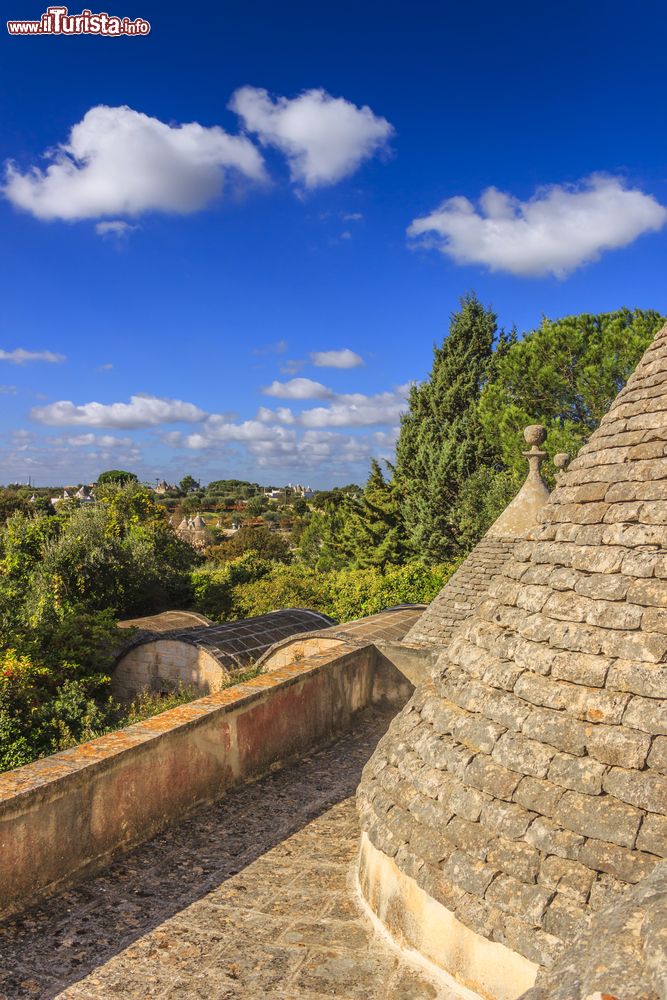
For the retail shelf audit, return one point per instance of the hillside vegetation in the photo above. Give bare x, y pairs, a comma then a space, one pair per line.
68, 574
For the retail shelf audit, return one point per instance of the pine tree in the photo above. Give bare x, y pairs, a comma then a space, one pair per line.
441, 442
375, 531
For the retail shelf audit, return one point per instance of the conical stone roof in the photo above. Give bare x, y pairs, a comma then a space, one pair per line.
526, 786
465, 589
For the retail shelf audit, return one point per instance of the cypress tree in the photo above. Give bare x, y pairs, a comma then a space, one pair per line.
376, 531
441, 442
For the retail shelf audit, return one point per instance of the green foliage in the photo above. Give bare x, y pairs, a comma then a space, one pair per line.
150, 703
188, 484
260, 541
342, 594
10, 503
483, 498
256, 506
441, 443
64, 580
213, 584
564, 375
116, 477
376, 532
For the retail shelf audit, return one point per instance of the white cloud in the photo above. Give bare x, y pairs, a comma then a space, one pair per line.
345, 358
141, 411
345, 410
357, 410
105, 368
19, 356
557, 230
352, 216
282, 414
117, 161
98, 441
298, 388
274, 446
324, 138
115, 227
7, 390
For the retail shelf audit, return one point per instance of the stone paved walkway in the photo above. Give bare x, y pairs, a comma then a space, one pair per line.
249, 898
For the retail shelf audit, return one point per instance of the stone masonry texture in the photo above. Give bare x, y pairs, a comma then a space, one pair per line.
247, 899
526, 782
460, 596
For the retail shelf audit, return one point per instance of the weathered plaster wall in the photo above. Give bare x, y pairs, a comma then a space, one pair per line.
163, 665
68, 814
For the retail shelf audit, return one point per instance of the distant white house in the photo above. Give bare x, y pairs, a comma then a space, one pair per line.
84, 495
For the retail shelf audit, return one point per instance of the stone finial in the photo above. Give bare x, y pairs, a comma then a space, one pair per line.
561, 461
524, 512
535, 434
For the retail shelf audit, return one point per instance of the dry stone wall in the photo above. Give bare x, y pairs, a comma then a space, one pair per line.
462, 593
526, 788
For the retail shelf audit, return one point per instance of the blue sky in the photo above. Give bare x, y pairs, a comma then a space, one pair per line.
244, 252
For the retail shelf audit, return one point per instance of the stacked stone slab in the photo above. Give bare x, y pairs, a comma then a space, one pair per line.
525, 787
463, 592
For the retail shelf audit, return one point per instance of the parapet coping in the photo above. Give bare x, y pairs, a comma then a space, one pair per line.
58, 767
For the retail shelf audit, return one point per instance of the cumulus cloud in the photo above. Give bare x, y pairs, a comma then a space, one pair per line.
7, 390
118, 161
324, 138
345, 410
345, 358
298, 388
557, 230
141, 411
273, 446
20, 357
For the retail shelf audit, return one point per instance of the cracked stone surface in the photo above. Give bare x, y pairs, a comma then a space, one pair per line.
249, 898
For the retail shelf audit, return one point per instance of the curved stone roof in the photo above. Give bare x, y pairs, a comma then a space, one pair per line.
463, 592
239, 643
527, 785
621, 954
389, 625
167, 621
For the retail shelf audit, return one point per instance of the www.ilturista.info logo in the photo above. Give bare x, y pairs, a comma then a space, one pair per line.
57, 21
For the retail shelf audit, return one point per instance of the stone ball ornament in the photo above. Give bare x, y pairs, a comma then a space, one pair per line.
535, 435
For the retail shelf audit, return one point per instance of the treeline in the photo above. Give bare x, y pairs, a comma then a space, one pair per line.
67, 576
459, 452
458, 464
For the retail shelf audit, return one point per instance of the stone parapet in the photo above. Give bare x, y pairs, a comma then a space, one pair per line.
67, 815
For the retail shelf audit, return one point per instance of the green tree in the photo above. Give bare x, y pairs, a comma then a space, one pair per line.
259, 540
375, 530
188, 484
117, 477
441, 443
564, 375
256, 506
326, 542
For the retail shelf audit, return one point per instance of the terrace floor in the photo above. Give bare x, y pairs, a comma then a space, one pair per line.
252, 897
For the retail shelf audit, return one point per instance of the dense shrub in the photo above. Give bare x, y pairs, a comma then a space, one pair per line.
342, 594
